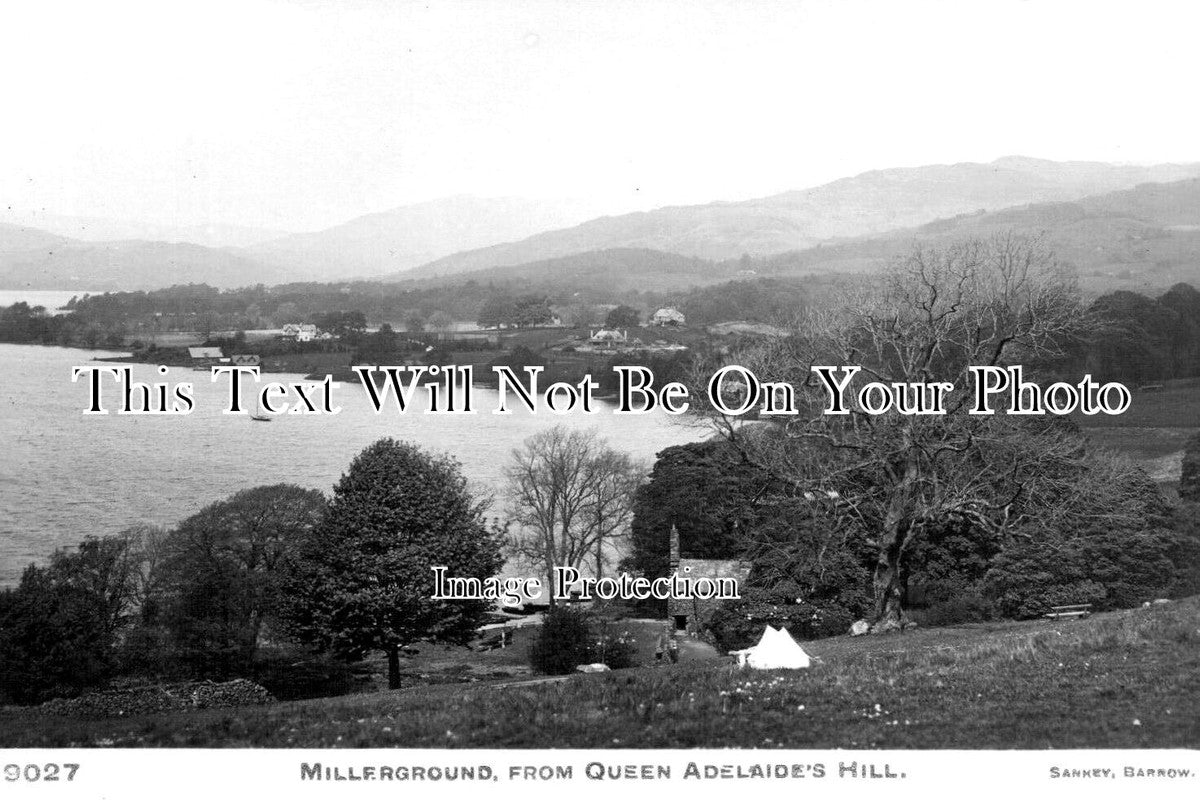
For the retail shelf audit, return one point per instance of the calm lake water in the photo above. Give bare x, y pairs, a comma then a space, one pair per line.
64, 475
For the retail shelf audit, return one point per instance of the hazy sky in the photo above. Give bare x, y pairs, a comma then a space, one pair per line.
301, 114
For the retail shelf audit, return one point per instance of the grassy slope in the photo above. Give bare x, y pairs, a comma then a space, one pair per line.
1122, 680
1155, 429
434, 662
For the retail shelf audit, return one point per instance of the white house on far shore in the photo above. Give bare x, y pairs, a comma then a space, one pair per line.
303, 332
606, 337
669, 316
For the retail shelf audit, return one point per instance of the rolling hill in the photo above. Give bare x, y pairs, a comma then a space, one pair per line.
102, 229
404, 237
870, 203
1144, 238
18, 239
91, 258
1127, 226
600, 271
55, 262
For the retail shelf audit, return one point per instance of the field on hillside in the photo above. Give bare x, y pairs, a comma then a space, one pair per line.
1175, 405
1127, 679
1154, 431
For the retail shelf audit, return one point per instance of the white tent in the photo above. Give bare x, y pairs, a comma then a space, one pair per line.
775, 650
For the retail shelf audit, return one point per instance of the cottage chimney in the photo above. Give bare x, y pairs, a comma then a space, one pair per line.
673, 563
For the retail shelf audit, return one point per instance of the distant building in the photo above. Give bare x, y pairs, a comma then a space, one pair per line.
303, 332
205, 356
245, 360
690, 614
667, 317
606, 337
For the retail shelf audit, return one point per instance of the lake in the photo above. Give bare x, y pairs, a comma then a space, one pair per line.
65, 475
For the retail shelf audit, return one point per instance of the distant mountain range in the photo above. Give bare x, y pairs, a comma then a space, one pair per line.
100, 229
1092, 213
406, 237
56, 262
870, 203
1145, 237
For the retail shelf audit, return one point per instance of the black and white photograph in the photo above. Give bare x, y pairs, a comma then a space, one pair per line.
576, 396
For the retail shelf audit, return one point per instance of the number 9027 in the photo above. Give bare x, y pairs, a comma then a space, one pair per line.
40, 772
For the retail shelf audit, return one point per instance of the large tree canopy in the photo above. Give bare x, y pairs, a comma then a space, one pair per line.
363, 579
223, 570
709, 492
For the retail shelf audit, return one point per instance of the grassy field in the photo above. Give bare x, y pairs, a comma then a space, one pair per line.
1176, 405
1154, 431
449, 663
1122, 680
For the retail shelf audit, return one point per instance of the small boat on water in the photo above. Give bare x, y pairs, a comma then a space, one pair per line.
258, 415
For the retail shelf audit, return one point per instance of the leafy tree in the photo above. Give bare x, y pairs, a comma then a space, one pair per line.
563, 642
1184, 336
532, 310
581, 315
363, 580
1097, 556
496, 312
341, 323
708, 492
622, 317
59, 628
379, 345
105, 569
440, 321
518, 358
224, 568
1132, 343
768, 300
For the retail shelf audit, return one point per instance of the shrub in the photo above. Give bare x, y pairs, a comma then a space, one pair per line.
147, 650
563, 642
1109, 569
740, 624
568, 638
968, 607
289, 678
613, 646
53, 641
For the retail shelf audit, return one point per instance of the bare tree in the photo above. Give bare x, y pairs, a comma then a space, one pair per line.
890, 476
571, 497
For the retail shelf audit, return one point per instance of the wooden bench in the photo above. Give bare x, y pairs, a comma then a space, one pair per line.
1069, 612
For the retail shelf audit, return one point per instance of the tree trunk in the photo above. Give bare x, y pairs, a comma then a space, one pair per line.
897, 525
393, 656
889, 589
